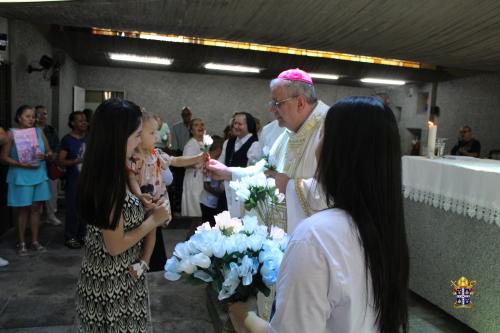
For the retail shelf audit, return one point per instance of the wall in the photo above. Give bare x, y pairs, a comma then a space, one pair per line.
27, 44
67, 79
404, 101
473, 101
212, 97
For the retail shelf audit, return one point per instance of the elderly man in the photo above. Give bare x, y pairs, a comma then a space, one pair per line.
180, 131
466, 145
296, 107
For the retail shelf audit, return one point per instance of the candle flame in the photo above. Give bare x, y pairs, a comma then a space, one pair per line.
430, 123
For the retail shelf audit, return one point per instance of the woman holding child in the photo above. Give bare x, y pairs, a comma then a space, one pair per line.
110, 298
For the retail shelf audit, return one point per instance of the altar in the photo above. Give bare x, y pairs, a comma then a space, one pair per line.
452, 216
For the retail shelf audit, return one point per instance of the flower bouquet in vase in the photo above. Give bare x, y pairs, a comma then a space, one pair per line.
238, 258
259, 195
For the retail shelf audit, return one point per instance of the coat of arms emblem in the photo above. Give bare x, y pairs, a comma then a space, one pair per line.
463, 289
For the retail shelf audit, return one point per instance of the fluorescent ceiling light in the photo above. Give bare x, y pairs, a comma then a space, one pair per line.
141, 59
232, 68
163, 38
382, 81
324, 76
260, 47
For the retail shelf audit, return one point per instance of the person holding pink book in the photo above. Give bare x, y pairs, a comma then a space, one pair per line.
28, 187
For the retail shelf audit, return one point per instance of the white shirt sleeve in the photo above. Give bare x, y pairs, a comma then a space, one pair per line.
253, 153
222, 157
302, 303
238, 173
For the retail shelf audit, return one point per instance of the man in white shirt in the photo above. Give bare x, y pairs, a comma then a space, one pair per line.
240, 151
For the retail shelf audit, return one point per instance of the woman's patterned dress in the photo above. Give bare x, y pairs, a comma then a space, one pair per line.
108, 298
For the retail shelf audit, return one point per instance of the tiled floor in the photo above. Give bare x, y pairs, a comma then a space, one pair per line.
37, 293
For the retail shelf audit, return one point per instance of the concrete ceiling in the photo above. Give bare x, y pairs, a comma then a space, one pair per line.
457, 34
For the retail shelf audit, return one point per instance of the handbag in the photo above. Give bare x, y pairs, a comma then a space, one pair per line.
54, 171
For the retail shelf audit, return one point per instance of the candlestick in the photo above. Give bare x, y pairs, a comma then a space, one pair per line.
431, 139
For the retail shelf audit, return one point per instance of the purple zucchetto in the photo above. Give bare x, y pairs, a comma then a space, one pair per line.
296, 75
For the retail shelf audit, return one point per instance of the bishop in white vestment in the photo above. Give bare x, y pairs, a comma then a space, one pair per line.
296, 107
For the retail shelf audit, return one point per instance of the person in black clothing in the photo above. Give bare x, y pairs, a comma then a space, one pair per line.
243, 148
466, 145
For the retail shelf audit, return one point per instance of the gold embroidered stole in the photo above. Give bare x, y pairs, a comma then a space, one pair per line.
289, 154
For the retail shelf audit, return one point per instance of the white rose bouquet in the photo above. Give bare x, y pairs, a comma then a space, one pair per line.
237, 257
270, 161
258, 193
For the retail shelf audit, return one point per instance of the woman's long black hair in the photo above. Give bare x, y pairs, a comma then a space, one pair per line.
102, 182
359, 169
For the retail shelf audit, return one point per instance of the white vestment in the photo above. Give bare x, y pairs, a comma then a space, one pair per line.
295, 155
269, 135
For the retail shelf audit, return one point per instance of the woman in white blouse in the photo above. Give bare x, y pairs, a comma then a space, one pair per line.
346, 268
193, 178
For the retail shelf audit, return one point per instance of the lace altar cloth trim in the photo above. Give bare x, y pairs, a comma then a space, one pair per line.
468, 208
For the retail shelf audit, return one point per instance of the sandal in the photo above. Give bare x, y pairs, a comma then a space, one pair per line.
38, 247
22, 250
73, 244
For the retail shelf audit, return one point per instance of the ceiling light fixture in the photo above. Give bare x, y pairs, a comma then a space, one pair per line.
261, 48
232, 68
383, 81
324, 76
141, 59
163, 38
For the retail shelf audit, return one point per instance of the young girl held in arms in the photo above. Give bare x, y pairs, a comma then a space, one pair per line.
145, 170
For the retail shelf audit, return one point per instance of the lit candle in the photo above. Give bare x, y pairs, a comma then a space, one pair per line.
431, 139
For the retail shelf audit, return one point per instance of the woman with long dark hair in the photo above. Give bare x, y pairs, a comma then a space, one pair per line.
109, 297
346, 268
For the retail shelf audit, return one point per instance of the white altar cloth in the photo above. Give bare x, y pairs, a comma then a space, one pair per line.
467, 186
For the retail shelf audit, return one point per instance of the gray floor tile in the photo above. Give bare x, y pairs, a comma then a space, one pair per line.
37, 293
38, 311
47, 329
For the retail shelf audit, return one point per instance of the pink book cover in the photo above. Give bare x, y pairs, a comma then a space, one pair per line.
27, 145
